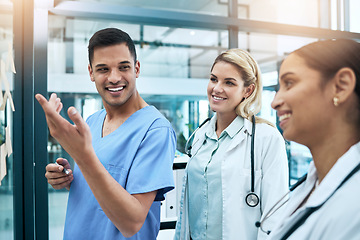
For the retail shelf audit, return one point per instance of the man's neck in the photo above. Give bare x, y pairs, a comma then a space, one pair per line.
117, 115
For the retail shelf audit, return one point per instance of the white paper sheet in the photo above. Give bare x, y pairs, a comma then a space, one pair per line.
3, 154
10, 59
8, 143
5, 82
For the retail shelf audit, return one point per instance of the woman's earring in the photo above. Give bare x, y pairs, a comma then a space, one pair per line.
336, 101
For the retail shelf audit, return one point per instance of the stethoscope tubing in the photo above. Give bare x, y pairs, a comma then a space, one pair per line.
311, 210
279, 204
187, 147
252, 155
251, 199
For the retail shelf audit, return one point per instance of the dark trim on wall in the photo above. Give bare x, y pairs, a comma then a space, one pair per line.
18, 180
186, 19
40, 126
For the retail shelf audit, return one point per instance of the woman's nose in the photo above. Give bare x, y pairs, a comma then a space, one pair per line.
217, 87
277, 101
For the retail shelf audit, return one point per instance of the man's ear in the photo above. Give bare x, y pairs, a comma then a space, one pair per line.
91, 73
249, 90
137, 68
345, 82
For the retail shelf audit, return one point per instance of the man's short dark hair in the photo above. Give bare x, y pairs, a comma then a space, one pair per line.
108, 37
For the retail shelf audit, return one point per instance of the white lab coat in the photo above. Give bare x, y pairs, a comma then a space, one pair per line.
271, 181
339, 217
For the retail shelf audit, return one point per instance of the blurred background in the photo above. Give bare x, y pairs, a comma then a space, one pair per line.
176, 43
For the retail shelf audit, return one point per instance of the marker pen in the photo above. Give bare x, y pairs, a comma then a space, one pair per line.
64, 169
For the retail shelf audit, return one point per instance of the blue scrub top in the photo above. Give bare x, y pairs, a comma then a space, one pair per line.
139, 155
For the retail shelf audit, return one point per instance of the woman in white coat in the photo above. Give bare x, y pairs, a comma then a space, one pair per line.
318, 105
218, 176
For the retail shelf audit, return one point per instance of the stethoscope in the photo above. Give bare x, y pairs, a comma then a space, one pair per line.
309, 211
251, 199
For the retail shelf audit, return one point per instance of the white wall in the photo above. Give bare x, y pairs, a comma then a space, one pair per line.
80, 83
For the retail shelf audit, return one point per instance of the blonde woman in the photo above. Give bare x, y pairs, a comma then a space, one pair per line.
224, 191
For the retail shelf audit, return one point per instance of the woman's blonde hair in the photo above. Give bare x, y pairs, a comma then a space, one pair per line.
250, 73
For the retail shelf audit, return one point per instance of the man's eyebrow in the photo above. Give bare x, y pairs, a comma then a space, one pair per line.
124, 62
104, 65
100, 65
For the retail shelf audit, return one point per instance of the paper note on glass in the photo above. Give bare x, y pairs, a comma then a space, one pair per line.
8, 141
3, 154
10, 59
5, 83
3, 103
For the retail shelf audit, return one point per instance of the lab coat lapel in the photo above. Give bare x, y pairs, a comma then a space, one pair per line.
343, 166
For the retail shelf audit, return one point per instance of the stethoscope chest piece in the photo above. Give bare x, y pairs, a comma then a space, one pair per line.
252, 200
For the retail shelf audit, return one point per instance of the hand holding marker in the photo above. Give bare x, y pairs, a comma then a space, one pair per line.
64, 169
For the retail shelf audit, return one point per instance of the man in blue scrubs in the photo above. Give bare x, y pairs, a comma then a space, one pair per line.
123, 153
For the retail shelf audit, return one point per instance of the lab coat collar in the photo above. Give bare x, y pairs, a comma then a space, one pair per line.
208, 129
235, 126
343, 166
247, 127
